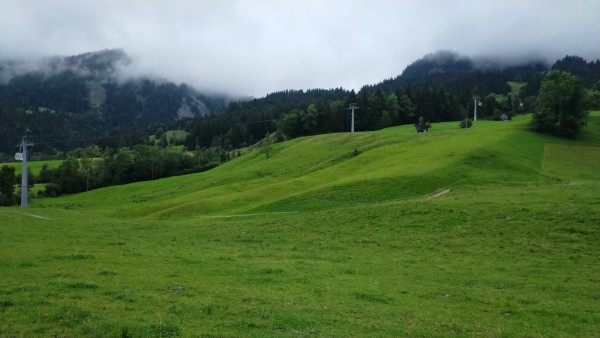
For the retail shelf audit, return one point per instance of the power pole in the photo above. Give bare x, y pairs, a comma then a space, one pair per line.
475, 99
24, 174
352, 107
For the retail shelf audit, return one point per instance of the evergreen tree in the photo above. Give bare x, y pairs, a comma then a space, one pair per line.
375, 108
309, 120
392, 107
267, 145
69, 177
291, 124
7, 184
406, 110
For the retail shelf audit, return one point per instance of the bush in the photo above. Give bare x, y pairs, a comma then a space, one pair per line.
466, 123
52, 190
496, 116
561, 105
6, 200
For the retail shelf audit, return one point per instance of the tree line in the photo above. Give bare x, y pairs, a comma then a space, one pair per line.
92, 168
298, 113
438, 88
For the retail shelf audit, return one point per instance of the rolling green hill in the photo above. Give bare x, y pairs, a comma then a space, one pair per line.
489, 231
334, 170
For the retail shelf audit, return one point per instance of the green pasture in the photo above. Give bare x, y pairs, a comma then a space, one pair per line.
515, 87
489, 231
35, 166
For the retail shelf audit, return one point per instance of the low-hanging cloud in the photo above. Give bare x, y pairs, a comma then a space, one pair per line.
253, 47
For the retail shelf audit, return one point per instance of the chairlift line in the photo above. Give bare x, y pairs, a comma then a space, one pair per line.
476, 100
24, 173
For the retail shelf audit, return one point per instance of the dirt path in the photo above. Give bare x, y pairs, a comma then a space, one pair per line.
37, 216
443, 192
250, 215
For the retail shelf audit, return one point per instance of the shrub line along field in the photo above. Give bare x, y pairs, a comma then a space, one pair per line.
332, 235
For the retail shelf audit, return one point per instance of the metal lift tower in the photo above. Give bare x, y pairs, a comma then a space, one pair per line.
352, 107
24, 173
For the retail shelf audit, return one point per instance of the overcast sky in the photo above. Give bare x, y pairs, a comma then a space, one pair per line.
253, 47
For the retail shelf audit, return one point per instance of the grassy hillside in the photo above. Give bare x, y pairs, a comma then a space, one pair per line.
490, 231
35, 166
515, 87
336, 169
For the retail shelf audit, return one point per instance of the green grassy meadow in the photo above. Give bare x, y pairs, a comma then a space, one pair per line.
489, 231
515, 87
34, 166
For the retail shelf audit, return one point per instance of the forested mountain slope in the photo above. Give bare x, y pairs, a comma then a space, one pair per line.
438, 87
88, 96
69, 102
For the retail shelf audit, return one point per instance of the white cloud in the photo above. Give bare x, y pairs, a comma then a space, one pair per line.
259, 46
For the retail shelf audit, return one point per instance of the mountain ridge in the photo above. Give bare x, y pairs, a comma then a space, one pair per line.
96, 94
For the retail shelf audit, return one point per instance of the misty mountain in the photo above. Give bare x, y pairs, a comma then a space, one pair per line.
88, 96
457, 73
441, 62
104, 64
439, 87
91, 95
588, 72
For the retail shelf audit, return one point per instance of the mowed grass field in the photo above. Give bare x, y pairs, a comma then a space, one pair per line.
490, 231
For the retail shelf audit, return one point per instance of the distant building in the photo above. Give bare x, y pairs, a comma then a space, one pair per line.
422, 126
